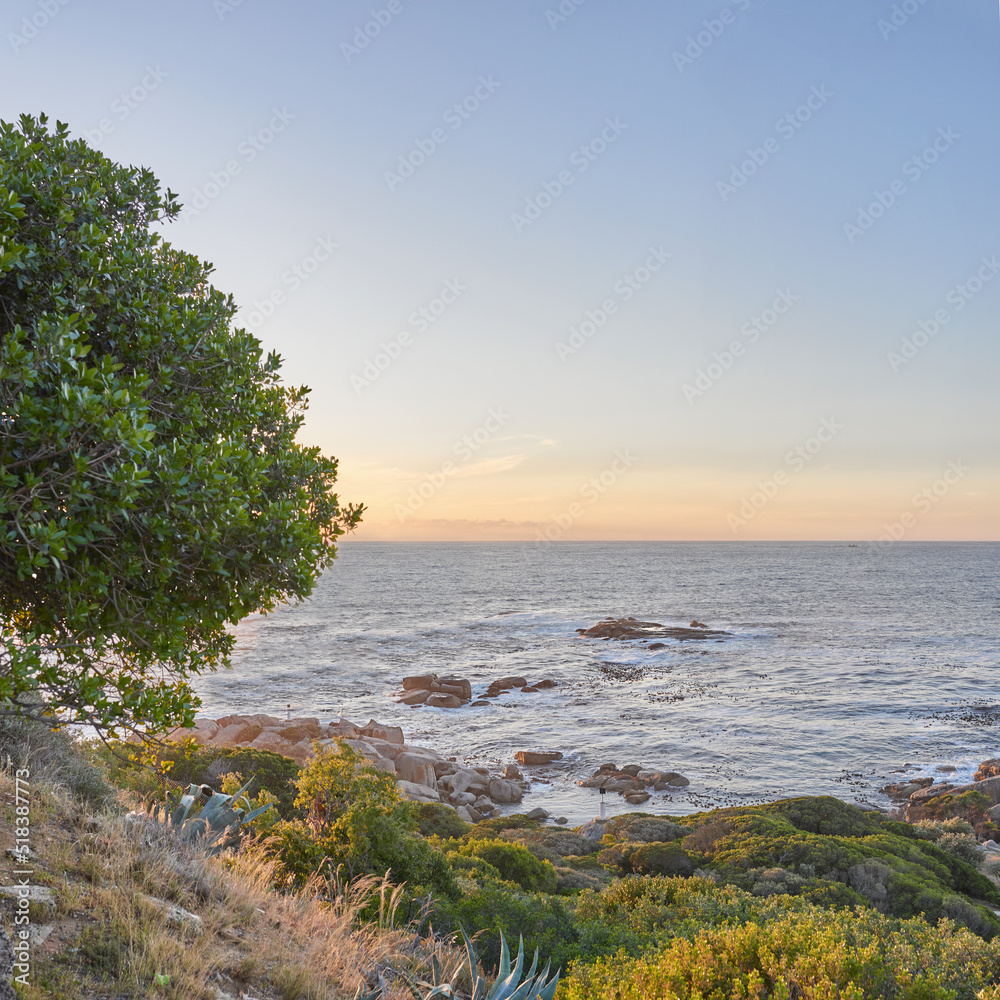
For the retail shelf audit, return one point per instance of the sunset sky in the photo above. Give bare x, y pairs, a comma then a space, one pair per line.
582, 270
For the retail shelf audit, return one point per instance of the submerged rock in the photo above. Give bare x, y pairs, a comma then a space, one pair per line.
632, 628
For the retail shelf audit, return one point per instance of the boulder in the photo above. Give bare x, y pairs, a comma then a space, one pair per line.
930, 792
536, 756
384, 764
444, 701
512, 773
247, 735
988, 769
273, 741
301, 729
636, 798
443, 767
264, 721
390, 734
419, 682
545, 684
465, 814
416, 769
593, 830
413, 698
675, 780
456, 685
504, 792
506, 683
417, 793
462, 799
537, 813
623, 785
632, 769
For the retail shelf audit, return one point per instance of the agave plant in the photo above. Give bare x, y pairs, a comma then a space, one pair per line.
216, 823
508, 985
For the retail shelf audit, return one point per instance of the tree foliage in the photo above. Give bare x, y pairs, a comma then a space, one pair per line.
151, 487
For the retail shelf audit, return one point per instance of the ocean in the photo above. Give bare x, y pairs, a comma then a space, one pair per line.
845, 663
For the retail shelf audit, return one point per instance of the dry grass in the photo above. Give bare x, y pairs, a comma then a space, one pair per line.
111, 941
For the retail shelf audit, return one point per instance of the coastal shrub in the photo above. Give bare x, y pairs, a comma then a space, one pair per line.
143, 770
807, 953
545, 921
659, 859
435, 819
970, 806
643, 828
514, 862
490, 828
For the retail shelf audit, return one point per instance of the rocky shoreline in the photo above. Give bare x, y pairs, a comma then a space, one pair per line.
917, 795
422, 774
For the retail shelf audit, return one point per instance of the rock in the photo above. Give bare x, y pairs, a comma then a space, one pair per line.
480, 701
632, 769
417, 769
456, 685
464, 813
631, 628
661, 786
529, 689
537, 813
504, 792
678, 781
385, 764
637, 798
506, 683
545, 684
174, 914
606, 769
419, 682
561, 820
33, 893
697, 624
474, 813
931, 792
512, 773
484, 805
444, 701
462, 799
270, 740
950, 769
994, 813
389, 734
413, 698
264, 721
296, 730
593, 830
623, 785
657, 645
988, 769
444, 767
536, 756
417, 793
595, 782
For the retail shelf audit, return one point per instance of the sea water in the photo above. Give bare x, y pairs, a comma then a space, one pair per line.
844, 663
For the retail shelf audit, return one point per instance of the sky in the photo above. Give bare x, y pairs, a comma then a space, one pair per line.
574, 269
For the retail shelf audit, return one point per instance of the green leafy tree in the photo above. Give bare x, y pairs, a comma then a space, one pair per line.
151, 487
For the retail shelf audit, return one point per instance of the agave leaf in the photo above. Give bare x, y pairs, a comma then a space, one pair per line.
504, 971
548, 991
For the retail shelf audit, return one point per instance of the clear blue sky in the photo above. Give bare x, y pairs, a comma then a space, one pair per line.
646, 121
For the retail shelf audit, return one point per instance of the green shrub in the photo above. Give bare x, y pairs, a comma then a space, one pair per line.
643, 828
659, 859
806, 953
494, 907
514, 862
435, 819
143, 771
488, 829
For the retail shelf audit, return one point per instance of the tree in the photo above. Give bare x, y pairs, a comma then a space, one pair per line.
151, 487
